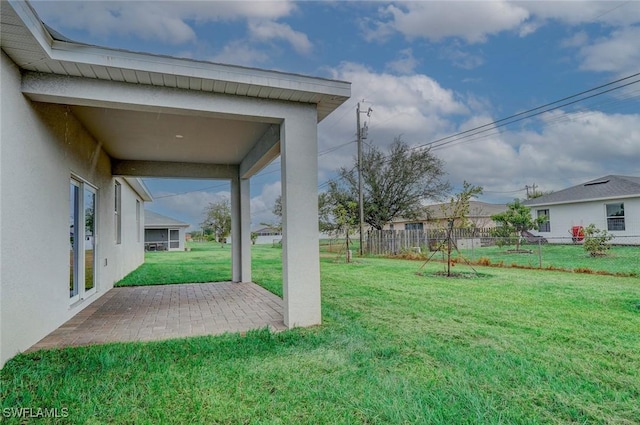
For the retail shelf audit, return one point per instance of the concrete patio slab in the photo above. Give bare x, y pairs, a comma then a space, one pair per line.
150, 313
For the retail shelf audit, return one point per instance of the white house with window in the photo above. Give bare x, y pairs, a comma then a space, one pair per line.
162, 233
611, 203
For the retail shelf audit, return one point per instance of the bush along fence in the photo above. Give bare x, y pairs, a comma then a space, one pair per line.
621, 256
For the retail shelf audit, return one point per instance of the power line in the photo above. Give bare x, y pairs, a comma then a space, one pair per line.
476, 131
532, 112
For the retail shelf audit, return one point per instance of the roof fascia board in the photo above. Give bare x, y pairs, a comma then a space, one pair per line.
165, 226
140, 188
99, 56
33, 24
581, 201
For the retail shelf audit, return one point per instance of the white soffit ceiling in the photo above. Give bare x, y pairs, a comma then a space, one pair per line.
160, 136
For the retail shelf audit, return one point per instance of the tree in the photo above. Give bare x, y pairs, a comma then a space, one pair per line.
596, 241
277, 211
394, 185
456, 212
517, 219
217, 219
338, 216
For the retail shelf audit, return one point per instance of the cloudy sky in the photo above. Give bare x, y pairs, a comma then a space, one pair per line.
429, 70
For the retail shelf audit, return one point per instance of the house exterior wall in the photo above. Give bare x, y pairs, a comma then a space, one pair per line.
41, 147
564, 216
155, 235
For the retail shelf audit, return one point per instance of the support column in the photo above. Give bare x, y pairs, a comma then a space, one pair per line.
240, 230
236, 238
245, 231
300, 251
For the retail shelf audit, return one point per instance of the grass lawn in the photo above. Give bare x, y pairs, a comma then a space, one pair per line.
620, 259
512, 347
206, 262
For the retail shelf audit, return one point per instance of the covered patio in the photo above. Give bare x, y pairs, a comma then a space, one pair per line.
152, 313
104, 117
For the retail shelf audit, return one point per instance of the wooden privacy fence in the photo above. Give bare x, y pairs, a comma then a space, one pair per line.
382, 242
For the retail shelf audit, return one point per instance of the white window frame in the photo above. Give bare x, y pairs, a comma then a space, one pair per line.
138, 220
118, 212
79, 266
547, 215
615, 217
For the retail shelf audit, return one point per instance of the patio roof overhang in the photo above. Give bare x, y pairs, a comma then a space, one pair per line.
219, 114
159, 116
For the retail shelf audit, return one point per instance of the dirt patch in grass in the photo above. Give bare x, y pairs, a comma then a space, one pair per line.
456, 275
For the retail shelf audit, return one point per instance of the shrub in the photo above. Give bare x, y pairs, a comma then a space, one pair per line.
596, 241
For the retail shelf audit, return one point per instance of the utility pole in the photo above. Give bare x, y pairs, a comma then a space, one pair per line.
362, 134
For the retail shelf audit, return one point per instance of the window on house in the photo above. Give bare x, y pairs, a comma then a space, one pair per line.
546, 225
615, 216
413, 226
118, 212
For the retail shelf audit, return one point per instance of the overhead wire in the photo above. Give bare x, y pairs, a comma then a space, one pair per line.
479, 132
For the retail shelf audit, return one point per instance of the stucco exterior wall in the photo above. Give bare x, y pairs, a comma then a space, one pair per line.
41, 147
161, 234
564, 217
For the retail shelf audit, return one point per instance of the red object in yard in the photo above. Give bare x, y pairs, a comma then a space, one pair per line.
577, 233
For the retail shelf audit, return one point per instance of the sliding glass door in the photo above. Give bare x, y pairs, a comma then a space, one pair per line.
74, 206
82, 239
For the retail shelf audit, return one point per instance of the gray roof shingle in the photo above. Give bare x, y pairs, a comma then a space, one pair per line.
611, 186
152, 219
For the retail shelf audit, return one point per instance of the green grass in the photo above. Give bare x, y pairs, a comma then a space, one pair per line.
206, 262
513, 347
620, 259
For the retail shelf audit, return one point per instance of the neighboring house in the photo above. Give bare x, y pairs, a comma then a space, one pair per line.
80, 125
162, 233
437, 216
611, 203
268, 235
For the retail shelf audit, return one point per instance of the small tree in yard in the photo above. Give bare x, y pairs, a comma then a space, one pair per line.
337, 215
456, 212
596, 241
517, 219
218, 220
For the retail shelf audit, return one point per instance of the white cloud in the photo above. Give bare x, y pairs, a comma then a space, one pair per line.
577, 12
188, 207
462, 59
239, 52
269, 30
414, 106
262, 205
405, 64
164, 21
578, 39
566, 149
472, 21
618, 53
475, 21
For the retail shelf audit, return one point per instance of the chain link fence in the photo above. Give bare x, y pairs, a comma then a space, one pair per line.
621, 256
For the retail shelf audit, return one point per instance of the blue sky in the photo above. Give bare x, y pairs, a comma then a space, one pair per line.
428, 70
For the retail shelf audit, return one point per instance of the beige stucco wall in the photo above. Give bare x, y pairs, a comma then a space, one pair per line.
41, 146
